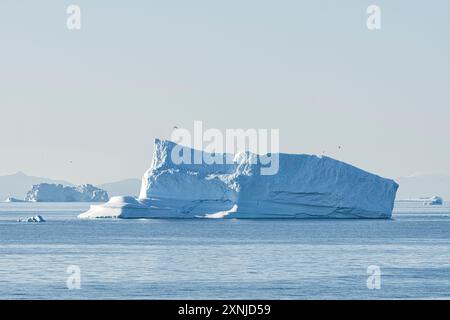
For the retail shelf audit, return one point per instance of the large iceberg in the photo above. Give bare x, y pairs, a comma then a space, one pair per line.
306, 186
47, 192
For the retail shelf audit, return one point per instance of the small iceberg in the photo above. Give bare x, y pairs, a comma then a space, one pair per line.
11, 199
37, 218
426, 201
434, 201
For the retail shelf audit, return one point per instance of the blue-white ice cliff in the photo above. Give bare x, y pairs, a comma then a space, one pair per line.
305, 186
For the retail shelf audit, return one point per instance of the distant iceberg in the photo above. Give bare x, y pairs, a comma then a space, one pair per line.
37, 218
426, 201
434, 201
12, 199
45, 192
306, 186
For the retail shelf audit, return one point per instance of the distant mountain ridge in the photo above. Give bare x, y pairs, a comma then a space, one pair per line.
18, 184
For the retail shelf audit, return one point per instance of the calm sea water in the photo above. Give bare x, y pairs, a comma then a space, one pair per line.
229, 259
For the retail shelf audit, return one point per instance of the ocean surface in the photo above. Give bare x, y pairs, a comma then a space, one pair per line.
222, 259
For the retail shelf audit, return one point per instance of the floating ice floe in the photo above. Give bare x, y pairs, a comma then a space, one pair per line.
306, 186
37, 218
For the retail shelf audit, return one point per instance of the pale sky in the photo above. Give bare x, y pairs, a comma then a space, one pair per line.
85, 105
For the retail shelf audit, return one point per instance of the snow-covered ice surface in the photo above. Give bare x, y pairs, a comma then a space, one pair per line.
306, 186
222, 258
46, 192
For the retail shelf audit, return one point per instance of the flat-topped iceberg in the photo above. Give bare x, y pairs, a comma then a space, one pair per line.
46, 192
306, 186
